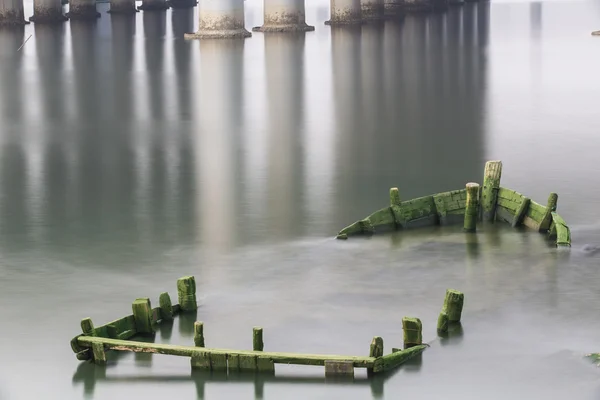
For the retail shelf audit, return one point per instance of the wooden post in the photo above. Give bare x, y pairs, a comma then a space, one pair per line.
491, 184
142, 315
413, 332
394, 197
99, 353
87, 327
550, 208
376, 348
198, 334
442, 324
521, 212
166, 308
472, 207
186, 291
257, 339
336, 368
453, 305
265, 364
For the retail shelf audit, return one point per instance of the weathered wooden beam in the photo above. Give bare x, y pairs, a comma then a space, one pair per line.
413, 332
189, 351
442, 323
186, 291
337, 368
198, 334
491, 184
550, 208
396, 359
257, 339
87, 327
563, 233
142, 314
521, 211
166, 308
99, 354
472, 207
394, 197
453, 304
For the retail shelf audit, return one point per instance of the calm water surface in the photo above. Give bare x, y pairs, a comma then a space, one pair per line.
130, 157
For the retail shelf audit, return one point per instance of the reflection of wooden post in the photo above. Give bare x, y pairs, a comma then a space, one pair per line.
142, 314
166, 308
413, 332
550, 208
472, 207
257, 339
491, 184
186, 291
198, 334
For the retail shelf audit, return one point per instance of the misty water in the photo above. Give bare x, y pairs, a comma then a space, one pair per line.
130, 157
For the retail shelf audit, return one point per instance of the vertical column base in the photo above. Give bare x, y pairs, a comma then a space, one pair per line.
417, 6
126, 8
284, 28
373, 12
48, 17
13, 18
87, 12
182, 3
340, 21
394, 9
154, 6
219, 34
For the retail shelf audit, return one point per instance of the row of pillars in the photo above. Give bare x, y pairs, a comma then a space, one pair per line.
225, 18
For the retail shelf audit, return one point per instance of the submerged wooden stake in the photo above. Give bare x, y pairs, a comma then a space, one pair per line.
521, 211
442, 324
413, 332
198, 334
257, 339
87, 327
376, 348
472, 207
166, 308
142, 314
550, 208
491, 185
186, 291
453, 305
394, 197
99, 353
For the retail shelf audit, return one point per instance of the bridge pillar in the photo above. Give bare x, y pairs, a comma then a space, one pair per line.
284, 16
122, 7
83, 9
11, 12
153, 5
394, 8
372, 9
426, 5
47, 12
345, 12
220, 19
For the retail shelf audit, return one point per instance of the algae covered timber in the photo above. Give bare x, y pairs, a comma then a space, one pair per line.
475, 203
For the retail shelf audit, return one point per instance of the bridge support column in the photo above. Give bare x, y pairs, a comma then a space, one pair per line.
153, 5
372, 9
182, 3
426, 5
122, 7
83, 9
220, 19
345, 12
47, 12
394, 8
284, 16
11, 12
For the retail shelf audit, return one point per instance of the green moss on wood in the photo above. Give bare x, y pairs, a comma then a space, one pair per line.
520, 214
142, 314
166, 308
413, 332
200, 360
396, 359
233, 362
87, 327
99, 354
218, 362
550, 208
442, 322
257, 339
394, 197
265, 364
247, 362
472, 207
198, 334
453, 305
376, 348
563, 233
491, 185
186, 292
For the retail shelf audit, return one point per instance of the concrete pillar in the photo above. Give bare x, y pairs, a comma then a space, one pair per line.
394, 8
11, 12
220, 19
284, 16
426, 5
345, 12
153, 5
372, 9
83, 9
122, 7
47, 12
182, 3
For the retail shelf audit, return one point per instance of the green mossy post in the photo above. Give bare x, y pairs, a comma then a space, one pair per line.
186, 291
218, 362
520, 213
142, 314
257, 339
337, 368
394, 197
198, 334
491, 185
99, 353
550, 208
265, 364
413, 332
472, 207
376, 348
87, 327
166, 308
453, 305
442, 324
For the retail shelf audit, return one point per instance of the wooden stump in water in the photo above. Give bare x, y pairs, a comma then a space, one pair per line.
87, 327
453, 305
376, 348
142, 314
472, 207
413, 332
186, 291
198, 334
257, 339
442, 324
394, 197
166, 308
491, 185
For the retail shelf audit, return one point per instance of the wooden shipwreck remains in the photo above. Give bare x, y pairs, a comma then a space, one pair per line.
487, 203
93, 343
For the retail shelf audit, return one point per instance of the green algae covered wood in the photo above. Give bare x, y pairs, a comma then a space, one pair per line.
520, 213
563, 233
99, 353
142, 313
453, 305
550, 208
442, 323
166, 308
339, 368
186, 292
396, 359
376, 347
198, 334
87, 327
472, 207
489, 192
413, 329
257, 339
189, 351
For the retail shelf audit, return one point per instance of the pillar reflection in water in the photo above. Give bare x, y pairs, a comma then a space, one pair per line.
219, 112
284, 61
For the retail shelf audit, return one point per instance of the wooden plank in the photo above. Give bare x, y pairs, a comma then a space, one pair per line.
530, 223
563, 233
509, 204
339, 368
189, 351
504, 214
396, 359
521, 212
